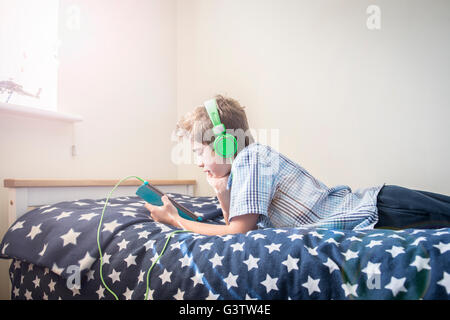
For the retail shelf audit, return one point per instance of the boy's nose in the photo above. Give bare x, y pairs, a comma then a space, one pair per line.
200, 163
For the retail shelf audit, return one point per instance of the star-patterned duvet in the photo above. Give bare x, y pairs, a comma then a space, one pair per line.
55, 256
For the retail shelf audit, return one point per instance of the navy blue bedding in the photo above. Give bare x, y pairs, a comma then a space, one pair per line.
56, 256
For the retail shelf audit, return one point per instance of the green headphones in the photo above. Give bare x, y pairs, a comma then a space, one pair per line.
225, 144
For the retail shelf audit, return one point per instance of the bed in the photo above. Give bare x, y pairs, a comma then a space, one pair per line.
55, 255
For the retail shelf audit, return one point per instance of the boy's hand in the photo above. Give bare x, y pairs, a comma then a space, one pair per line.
219, 184
165, 214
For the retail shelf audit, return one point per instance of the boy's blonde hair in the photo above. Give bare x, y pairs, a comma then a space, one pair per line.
197, 125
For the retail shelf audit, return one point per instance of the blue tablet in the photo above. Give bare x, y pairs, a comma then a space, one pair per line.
153, 196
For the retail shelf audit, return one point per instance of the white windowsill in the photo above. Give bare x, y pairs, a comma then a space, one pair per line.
15, 109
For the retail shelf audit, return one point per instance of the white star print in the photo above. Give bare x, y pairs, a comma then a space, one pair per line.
86, 262
90, 275
35, 230
231, 280
4, 247
374, 243
17, 225
179, 295
372, 269
141, 276
396, 236
312, 251
270, 283
419, 239
312, 285
165, 276
36, 282
43, 250
197, 278
273, 247
70, 237
291, 263
100, 292
81, 203
176, 245
63, 214
295, 236
123, 244
331, 240
349, 254
49, 210
237, 246
258, 236
396, 285
87, 216
227, 237
149, 244
331, 265
75, 290
316, 234
129, 213
445, 282
128, 293
349, 289
421, 263
57, 269
51, 285
110, 226
186, 261
28, 295
130, 260
353, 238
216, 260
395, 251
105, 258
251, 262
443, 247
144, 234
115, 276
206, 246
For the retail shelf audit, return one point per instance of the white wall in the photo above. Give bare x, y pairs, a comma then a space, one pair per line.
119, 72
354, 106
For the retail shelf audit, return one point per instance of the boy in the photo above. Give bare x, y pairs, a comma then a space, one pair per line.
264, 188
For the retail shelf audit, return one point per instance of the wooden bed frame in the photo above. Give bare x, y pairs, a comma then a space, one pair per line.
26, 194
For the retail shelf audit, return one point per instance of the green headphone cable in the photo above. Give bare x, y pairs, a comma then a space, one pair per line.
100, 249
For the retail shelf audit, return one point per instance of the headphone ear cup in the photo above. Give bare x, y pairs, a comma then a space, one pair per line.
225, 145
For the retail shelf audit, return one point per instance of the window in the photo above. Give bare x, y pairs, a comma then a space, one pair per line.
28, 54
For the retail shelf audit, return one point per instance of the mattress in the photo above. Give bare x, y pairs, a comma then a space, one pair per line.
55, 255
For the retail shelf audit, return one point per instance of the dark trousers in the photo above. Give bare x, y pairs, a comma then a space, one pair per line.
402, 208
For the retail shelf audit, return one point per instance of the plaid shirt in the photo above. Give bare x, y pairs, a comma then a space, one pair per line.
265, 182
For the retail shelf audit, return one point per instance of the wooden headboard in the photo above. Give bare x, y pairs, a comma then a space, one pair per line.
25, 194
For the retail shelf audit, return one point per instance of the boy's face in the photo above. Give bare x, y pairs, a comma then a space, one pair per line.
211, 163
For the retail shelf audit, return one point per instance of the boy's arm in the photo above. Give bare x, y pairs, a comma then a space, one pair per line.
239, 224
169, 214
